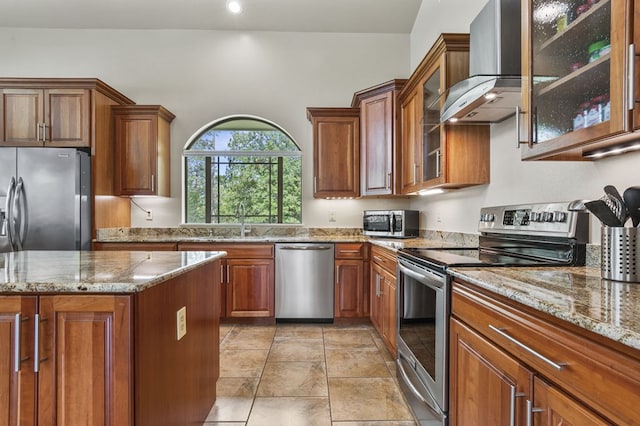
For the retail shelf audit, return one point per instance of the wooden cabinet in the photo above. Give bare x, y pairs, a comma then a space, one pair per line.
85, 369
574, 376
248, 278
351, 286
434, 154
78, 369
45, 117
578, 96
378, 129
383, 295
142, 150
336, 152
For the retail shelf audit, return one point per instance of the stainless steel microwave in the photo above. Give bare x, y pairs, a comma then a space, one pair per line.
391, 223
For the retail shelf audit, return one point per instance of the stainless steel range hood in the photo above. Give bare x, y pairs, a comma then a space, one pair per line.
492, 92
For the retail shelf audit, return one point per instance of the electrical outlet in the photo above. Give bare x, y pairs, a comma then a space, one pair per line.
181, 323
148, 215
332, 216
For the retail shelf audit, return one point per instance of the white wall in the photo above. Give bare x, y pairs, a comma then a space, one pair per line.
204, 75
512, 180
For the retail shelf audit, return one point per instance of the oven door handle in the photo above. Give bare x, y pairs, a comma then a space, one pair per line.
430, 279
431, 402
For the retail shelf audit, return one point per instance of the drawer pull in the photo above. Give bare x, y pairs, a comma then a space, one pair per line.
530, 411
557, 365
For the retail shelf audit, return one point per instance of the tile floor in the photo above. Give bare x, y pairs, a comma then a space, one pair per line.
298, 375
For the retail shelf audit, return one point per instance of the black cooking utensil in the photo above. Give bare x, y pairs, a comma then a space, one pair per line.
632, 200
603, 212
617, 203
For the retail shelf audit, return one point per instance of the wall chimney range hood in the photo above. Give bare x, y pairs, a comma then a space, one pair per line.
492, 93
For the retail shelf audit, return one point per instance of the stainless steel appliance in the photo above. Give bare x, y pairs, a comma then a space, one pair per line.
45, 201
304, 282
391, 223
532, 234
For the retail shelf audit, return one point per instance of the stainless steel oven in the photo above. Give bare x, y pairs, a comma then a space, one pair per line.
531, 234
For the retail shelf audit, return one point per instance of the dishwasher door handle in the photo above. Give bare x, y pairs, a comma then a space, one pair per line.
305, 247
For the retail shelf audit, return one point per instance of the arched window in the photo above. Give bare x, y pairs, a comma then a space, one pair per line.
242, 165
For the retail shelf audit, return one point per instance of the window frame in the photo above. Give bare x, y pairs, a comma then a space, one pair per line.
235, 153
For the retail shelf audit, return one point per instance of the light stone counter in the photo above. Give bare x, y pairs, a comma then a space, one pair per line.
94, 272
577, 295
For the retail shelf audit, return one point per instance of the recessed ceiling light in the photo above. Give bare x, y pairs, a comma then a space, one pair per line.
234, 6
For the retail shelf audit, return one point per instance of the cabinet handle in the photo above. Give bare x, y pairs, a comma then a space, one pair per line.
530, 410
38, 131
535, 127
153, 183
519, 142
438, 163
315, 184
16, 342
389, 180
415, 173
36, 344
377, 285
631, 76
228, 280
44, 132
557, 365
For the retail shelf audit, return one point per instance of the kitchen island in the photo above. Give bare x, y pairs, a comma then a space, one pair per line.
113, 338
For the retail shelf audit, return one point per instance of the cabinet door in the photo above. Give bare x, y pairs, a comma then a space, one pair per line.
577, 76
377, 123
136, 154
249, 288
336, 150
389, 310
432, 160
17, 378
22, 117
375, 289
67, 115
85, 358
349, 291
487, 386
553, 407
411, 141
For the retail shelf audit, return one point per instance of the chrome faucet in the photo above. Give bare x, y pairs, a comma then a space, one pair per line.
240, 214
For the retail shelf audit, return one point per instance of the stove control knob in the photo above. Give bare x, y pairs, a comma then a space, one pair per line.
487, 217
547, 217
535, 217
560, 216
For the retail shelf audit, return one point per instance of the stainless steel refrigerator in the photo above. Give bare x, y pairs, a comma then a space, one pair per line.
45, 199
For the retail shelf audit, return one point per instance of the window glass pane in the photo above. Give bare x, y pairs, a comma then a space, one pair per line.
266, 180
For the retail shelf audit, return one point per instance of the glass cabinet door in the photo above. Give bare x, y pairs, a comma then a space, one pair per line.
432, 143
577, 54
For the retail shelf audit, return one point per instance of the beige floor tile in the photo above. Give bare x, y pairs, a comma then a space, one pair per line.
234, 399
290, 412
356, 363
249, 337
294, 349
242, 362
293, 379
224, 330
300, 331
348, 338
360, 399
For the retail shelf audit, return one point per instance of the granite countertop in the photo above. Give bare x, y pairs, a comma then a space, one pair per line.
94, 272
577, 295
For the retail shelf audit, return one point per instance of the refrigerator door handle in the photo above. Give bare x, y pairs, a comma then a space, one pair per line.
20, 205
11, 192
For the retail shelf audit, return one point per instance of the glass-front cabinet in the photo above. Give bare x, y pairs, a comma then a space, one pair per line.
575, 76
432, 129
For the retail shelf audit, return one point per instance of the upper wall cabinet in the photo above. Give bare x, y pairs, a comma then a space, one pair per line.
336, 152
142, 150
578, 78
378, 149
434, 154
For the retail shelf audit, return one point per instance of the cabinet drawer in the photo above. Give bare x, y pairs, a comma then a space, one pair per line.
385, 258
351, 251
600, 376
240, 251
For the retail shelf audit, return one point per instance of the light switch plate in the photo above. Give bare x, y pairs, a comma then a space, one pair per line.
181, 322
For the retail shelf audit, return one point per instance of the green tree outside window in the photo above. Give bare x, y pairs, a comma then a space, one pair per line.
244, 160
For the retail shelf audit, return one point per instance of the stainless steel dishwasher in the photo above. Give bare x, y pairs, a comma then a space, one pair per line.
304, 281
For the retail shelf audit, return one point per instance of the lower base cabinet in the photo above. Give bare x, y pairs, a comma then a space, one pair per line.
111, 359
383, 295
351, 287
552, 376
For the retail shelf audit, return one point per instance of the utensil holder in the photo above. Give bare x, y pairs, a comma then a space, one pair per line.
620, 251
